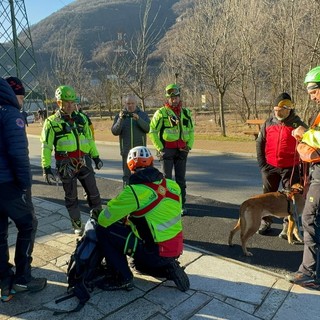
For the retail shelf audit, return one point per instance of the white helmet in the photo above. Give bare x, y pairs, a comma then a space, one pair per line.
139, 157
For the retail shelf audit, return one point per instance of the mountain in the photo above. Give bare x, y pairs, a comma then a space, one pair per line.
96, 27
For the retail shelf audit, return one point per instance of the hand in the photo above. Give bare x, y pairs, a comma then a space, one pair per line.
48, 175
160, 155
24, 196
298, 132
185, 149
121, 114
135, 116
98, 163
94, 214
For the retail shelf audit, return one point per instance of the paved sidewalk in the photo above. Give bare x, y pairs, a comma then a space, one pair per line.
220, 288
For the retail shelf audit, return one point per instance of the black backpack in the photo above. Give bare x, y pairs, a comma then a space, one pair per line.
85, 268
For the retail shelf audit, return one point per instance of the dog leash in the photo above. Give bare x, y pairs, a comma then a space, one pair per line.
296, 216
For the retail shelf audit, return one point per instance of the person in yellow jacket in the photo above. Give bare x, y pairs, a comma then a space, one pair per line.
68, 134
143, 222
308, 274
172, 134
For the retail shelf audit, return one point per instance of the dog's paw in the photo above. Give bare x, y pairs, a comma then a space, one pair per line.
248, 254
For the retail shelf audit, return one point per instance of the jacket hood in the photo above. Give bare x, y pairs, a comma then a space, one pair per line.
149, 174
7, 96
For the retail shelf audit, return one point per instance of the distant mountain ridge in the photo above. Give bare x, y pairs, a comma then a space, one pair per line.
94, 24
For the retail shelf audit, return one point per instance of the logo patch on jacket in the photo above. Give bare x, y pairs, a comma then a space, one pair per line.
20, 123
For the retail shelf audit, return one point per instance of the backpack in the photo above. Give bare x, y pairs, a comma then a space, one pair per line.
85, 268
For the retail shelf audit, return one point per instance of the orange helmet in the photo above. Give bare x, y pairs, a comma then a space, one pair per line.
139, 157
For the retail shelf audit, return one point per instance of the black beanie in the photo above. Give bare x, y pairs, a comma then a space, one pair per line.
16, 85
281, 97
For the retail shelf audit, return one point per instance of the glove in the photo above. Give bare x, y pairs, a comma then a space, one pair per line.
94, 214
98, 163
160, 155
48, 175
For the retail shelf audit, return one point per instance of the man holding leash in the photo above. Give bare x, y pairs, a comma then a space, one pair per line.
276, 153
308, 274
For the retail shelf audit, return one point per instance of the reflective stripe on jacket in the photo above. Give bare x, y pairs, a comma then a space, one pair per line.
63, 136
163, 128
161, 223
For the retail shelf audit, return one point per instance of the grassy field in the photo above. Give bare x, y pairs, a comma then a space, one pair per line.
207, 134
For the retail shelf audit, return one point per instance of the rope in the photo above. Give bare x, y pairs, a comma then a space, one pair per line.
69, 167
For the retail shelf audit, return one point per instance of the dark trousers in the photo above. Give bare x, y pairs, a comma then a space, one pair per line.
88, 181
21, 211
112, 241
272, 177
311, 227
177, 160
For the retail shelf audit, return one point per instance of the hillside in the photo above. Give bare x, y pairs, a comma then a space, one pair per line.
93, 28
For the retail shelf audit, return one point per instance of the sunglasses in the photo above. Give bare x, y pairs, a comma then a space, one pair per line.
282, 107
173, 92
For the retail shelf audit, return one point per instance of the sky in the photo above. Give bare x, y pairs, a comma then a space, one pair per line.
40, 9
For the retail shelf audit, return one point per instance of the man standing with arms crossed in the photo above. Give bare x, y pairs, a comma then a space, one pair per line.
172, 134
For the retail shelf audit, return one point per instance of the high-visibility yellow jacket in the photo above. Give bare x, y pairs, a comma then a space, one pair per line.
164, 128
66, 137
153, 212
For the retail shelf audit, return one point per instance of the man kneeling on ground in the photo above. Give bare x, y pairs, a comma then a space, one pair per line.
144, 222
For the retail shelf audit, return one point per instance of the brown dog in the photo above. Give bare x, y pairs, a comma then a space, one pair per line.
268, 204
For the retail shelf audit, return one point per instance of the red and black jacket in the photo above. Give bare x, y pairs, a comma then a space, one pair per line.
275, 144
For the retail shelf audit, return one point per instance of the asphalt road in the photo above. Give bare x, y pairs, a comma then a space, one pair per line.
206, 226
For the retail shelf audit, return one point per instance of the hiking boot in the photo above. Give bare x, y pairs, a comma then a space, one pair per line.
265, 227
34, 285
77, 227
299, 278
6, 289
177, 274
113, 285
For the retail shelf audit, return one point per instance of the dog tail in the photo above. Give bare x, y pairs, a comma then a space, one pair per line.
233, 232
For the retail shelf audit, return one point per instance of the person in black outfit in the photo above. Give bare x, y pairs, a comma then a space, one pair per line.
15, 177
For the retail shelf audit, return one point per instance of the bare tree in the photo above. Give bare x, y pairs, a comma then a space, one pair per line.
133, 67
67, 65
206, 46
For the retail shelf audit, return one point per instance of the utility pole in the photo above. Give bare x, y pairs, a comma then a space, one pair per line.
17, 56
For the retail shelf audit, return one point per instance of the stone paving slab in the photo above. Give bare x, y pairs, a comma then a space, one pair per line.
220, 288
216, 275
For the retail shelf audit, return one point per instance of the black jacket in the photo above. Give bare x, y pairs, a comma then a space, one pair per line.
14, 153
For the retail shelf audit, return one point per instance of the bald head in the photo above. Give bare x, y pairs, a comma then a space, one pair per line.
131, 103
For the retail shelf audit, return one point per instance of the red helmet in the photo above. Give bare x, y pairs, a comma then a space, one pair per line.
139, 157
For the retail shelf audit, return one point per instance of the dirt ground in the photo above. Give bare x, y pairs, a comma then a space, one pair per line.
204, 139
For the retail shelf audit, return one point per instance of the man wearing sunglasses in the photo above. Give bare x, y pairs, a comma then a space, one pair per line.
172, 134
276, 153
